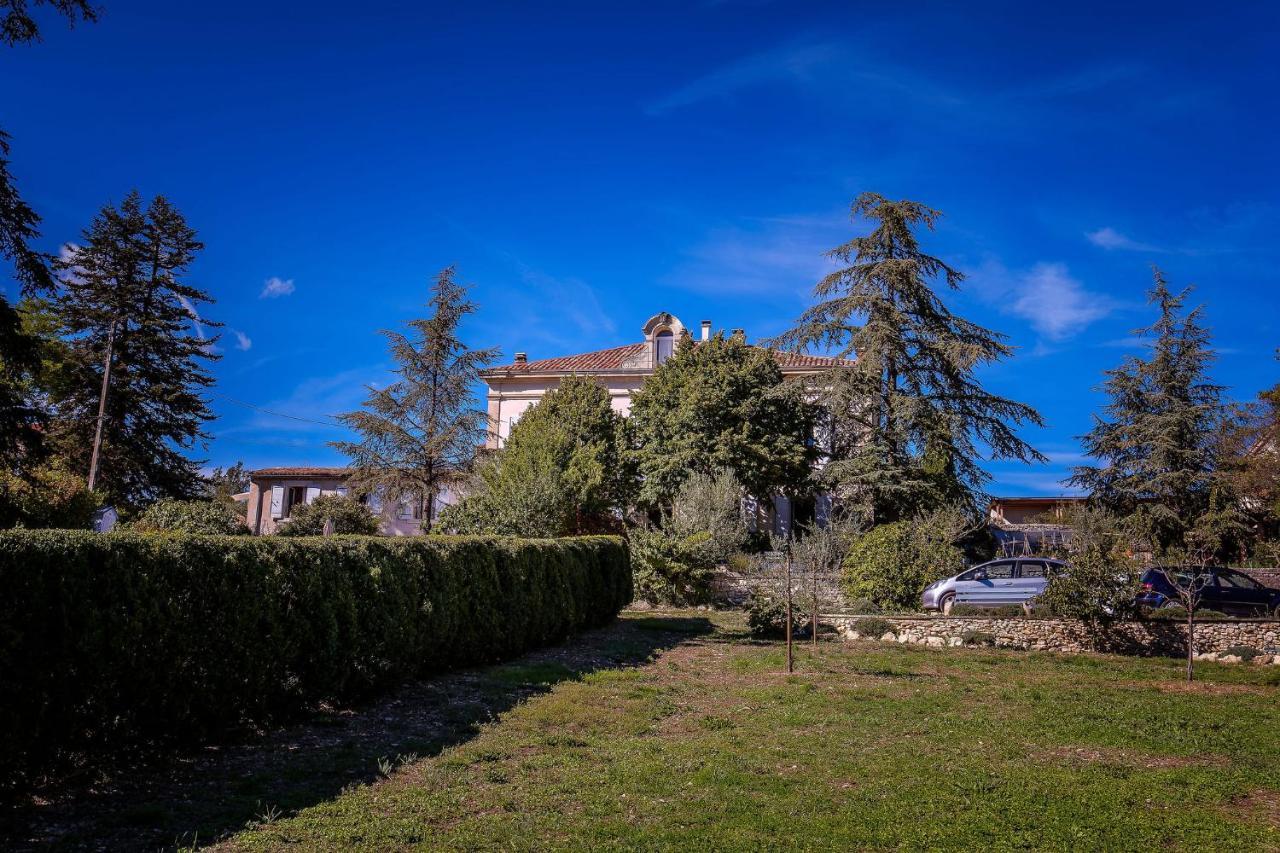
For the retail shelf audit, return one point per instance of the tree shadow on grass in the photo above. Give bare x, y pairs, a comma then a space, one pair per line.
198, 798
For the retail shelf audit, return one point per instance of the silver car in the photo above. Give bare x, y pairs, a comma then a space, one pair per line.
1004, 581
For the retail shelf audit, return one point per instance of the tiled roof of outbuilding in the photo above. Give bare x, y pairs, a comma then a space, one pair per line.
301, 471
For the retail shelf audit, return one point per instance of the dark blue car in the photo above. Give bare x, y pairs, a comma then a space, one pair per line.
1225, 590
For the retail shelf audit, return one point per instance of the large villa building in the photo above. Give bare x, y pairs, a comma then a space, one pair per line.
516, 387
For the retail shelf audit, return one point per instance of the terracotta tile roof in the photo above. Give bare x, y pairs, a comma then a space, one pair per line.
632, 356
300, 471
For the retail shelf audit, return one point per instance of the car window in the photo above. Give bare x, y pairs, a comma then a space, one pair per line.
1236, 580
966, 576
1033, 569
1002, 569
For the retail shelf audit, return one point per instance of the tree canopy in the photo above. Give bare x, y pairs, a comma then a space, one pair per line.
137, 352
420, 433
721, 404
907, 426
1157, 442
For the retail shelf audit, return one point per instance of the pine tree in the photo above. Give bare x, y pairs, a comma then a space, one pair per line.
19, 416
139, 354
421, 433
907, 426
1158, 442
18, 26
721, 404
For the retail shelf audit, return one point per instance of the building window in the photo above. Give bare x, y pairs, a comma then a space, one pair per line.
666, 343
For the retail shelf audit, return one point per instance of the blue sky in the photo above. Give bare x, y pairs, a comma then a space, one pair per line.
587, 165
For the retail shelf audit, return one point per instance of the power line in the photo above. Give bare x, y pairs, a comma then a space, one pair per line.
329, 423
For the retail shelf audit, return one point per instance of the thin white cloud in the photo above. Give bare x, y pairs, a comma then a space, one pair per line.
243, 342
791, 62
1111, 239
276, 287
1054, 303
781, 256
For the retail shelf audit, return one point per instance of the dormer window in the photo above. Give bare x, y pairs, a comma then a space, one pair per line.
665, 342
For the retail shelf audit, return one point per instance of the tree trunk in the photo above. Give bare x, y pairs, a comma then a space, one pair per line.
790, 661
1191, 644
102, 405
815, 606
431, 505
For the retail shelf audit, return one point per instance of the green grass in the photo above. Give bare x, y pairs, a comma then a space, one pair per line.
710, 745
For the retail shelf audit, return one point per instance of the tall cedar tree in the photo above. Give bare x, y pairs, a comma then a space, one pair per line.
1251, 454
1158, 441
907, 425
720, 404
421, 433
125, 306
19, 351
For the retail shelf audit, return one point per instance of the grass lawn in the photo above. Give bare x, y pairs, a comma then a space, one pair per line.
707, 744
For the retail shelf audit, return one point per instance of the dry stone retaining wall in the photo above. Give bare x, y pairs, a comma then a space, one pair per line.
1071, 636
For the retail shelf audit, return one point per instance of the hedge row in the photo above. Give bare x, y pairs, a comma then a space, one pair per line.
110, 641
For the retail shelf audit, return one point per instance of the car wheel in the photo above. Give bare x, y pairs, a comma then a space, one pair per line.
1275, 614
946, 604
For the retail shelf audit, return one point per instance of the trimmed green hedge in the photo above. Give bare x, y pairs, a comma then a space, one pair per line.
110, 641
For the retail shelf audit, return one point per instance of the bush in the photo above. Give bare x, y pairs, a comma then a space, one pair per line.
115, 640
977, 638
891, 565
1102, 580
48, 496
710, 504
349, 516
863, 605
1178, 613
210, 518
1245, 653
995, 611
670, 569
873, 626
767, 616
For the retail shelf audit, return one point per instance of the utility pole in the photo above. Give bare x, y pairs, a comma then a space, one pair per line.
102, 404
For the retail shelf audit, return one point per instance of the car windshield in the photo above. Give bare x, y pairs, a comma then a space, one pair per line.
1239, 580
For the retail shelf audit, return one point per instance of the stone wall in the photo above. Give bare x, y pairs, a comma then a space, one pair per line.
1071, 636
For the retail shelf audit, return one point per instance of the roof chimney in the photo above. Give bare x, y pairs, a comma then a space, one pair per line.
706, 330
521, 358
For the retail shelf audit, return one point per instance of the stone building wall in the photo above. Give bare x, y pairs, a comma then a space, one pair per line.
1071, 636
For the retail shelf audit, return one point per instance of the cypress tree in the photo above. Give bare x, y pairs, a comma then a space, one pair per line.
138, 353
906, 426
420, 434
1157, 442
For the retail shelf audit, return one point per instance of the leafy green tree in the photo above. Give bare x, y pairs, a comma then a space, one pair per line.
1103, 576
225, 482
420, 433
347, 515
138, 354
711, 504
721, 404
206, 517
46, 495
1158, 442
907, 426
1250, 456
890, 565
562, 471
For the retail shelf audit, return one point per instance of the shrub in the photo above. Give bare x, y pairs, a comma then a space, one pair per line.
210, 518
48, 496
873, 626
115, 640
349, 516
891, 564
669, 569
995, 611
767, 616
863, 605
1178, 613
1245, 653
710, 504
971, 637
1102, 580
